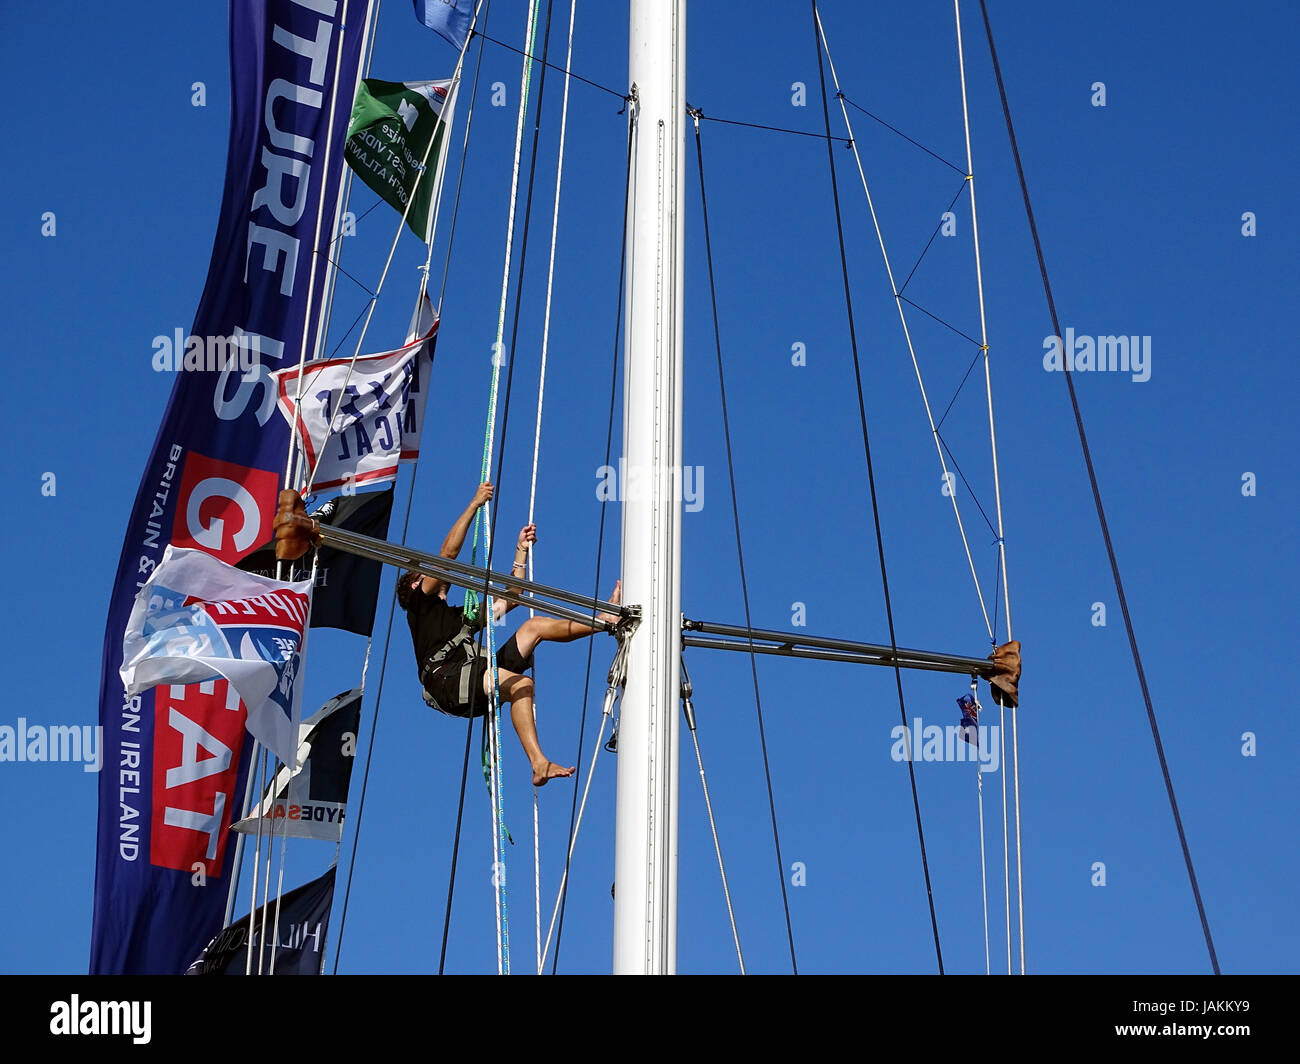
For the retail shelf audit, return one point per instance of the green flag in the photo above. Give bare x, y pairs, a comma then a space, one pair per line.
389, 138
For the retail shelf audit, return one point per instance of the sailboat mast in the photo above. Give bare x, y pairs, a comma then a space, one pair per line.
645, 852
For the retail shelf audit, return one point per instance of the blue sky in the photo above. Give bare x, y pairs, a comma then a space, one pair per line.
1140, 206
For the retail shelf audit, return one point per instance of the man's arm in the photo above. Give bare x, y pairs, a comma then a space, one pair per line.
527, 537
456, 537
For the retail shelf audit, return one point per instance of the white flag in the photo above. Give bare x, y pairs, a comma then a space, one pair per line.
197, 618
358, 419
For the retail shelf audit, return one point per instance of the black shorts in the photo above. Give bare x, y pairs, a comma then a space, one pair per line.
444, 685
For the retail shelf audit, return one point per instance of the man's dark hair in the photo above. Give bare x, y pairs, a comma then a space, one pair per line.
406, 593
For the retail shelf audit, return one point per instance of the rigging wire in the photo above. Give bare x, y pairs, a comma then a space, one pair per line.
537, 446
740, 556
600, 537
774, 129
1006, 850
688, 711
542, 60
945, 324
899, 299
937, 230
871, 480
1105, 531
876, 118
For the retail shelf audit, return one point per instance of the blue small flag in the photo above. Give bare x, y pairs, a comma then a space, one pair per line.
970, 715
449, 19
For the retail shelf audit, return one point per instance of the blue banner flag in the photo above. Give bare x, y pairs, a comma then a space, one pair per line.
176, 756
449, 19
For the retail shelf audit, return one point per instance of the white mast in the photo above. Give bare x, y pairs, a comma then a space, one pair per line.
645, 853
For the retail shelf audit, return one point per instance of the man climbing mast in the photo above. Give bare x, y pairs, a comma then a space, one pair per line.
453, 671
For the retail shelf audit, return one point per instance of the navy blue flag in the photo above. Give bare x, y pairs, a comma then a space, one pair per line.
298, 937
449, 19
176, 757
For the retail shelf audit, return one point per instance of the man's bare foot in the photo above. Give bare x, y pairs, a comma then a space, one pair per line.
549, 771
616, 597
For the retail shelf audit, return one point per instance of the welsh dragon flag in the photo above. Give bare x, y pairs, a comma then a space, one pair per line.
396, 133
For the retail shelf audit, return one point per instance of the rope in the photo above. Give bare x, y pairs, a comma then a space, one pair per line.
1006, 850
284, 838
979, 787
537, 445
257, 860
1105, 531
528, 55
993, 447
600, 537
871, 479
771, 129
607, 713
735, 510
238, 870
486, 517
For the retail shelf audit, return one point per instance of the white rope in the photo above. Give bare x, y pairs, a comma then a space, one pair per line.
279, 892
1020, 889
537, 444
717, 848
979, 787
498, 871
238, 863
266, 885
1006, 851
611, 694
898, 301
284, 838
257, 861
993, 444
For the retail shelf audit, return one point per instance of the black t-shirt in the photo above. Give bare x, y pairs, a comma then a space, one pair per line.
433, 623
